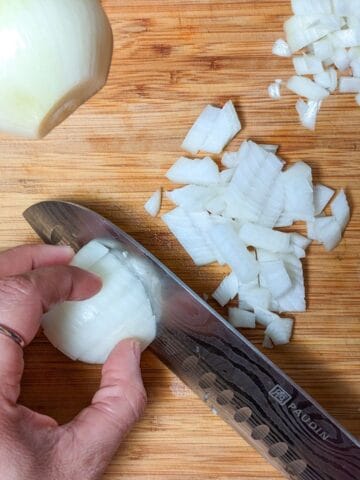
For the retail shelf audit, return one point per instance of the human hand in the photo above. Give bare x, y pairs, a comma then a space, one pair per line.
34, 446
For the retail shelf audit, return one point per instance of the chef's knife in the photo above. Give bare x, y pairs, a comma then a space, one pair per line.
227, 372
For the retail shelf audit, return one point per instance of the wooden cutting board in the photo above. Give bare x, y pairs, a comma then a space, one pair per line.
170, 59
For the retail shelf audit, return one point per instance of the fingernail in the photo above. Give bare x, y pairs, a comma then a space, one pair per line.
66, 249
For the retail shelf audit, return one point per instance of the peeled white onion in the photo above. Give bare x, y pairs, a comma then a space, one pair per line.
54, 55
90, 329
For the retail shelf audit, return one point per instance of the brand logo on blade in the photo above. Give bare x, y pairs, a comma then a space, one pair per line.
282, 397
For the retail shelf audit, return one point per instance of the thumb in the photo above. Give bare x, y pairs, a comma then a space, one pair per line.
98, 430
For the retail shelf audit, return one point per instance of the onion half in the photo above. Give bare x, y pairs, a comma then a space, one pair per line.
54, 55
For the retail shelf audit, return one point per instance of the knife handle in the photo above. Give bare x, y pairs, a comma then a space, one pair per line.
261, 403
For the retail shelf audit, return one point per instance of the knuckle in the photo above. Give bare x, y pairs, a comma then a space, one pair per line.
19, 287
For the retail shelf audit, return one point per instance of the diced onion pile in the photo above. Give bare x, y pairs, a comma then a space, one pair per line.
326, 34
231, 216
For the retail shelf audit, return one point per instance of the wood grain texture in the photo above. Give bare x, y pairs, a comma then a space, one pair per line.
171, 58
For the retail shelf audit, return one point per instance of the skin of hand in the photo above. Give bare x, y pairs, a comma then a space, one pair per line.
34, 446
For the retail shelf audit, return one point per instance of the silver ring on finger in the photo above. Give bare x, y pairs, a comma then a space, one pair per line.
8, 332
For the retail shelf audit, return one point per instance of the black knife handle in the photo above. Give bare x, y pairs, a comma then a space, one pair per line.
261, 403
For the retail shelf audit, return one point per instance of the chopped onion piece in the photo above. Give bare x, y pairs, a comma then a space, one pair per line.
262, 237
300, 240
285, 220
280, 331
224, 129
311, 230
349, 85
323, 49
341, 210
265, 317
274, 90
200, 130
355, 67
234, 252
267, 343
227, 290
354, 53
294, 299
252, 297
327, 232
322, 196
307, 65
181, 226
346, 8
299, 196
152, 206
276, 277
226, 175
281, 48
299, 252
270, 148
193, 197
274, 206
341, 59
252, 183
307, 88
200, 172
216, 206
327, 79
204, 222
308, 112
346, 38
357, 98
241, 318
230, 159
302, 31
311, 7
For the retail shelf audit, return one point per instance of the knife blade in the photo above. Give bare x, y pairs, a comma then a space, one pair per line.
239, 383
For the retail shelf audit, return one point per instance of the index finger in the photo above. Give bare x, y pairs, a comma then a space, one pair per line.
22, 259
